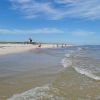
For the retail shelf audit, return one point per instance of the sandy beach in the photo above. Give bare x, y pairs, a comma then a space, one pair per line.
16, 48
25, 69
49, 74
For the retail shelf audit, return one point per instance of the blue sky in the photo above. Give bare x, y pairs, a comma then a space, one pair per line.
67, 21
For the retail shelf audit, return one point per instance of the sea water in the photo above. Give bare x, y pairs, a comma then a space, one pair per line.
78, 79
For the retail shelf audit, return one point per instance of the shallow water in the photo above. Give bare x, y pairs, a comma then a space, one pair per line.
62, 74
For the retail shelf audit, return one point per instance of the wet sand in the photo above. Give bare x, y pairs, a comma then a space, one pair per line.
22, 82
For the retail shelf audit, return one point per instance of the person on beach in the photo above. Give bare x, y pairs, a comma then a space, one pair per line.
39, 45
57, 45
30, 40
62, 46
65, 45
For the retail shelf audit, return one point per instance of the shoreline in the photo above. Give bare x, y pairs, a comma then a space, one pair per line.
14, 48
17, 48
21, 73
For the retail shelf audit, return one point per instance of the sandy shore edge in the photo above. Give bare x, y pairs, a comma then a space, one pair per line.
16, 48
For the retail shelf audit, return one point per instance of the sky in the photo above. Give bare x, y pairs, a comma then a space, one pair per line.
54, 21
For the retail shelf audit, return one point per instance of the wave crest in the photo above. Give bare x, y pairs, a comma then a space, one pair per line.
82, 63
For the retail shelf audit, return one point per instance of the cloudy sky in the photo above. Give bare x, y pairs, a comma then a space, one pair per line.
71, 21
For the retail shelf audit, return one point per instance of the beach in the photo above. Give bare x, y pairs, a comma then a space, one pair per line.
23, 70
71, 73
16, 48
49, 50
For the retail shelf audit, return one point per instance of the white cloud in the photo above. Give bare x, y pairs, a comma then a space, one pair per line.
46, 31
20, 1
32, 9
31, 31
82, 33
66, 1
89, 9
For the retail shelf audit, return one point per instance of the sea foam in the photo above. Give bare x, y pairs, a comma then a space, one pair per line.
87, 73
76, 60
39, 93
66, 63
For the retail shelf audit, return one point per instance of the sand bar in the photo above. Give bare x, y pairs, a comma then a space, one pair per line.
16, 48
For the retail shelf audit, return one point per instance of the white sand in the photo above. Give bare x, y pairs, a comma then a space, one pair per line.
15, 48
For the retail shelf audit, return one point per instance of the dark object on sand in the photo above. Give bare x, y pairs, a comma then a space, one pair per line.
39, 45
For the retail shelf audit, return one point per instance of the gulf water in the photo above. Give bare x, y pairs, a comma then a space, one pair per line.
78, 78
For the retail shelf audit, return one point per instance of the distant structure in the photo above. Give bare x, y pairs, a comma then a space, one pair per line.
30, 40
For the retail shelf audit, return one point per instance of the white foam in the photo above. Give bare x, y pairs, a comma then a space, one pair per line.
87, 73
71, 59
38, 93
66, 63
68, 55
79, 48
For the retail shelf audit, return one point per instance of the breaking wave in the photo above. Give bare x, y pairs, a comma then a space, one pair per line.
82, 63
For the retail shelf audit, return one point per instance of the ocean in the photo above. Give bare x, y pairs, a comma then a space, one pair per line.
71, 73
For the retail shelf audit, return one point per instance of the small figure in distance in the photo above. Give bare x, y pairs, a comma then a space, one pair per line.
65, 45
62, 46
39, 45
30, 40
57, 45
